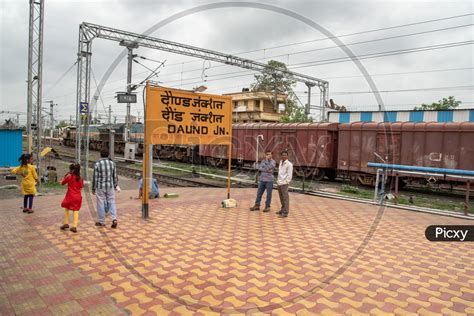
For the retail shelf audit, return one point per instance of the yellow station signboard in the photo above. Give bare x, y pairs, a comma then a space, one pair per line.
183, 117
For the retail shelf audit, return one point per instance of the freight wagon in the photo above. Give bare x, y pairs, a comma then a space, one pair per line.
322, 149
312, 147
438, 145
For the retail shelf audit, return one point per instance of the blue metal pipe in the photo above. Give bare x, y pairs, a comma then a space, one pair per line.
421, 169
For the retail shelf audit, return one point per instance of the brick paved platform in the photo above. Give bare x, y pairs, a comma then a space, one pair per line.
191, 256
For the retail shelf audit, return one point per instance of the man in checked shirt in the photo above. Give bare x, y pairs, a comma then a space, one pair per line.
104, 184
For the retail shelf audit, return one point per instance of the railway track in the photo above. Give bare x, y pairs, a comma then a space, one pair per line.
168, 180
186, 182
408, 189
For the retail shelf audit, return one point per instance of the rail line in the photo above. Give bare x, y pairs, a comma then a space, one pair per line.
184, 182
162, 178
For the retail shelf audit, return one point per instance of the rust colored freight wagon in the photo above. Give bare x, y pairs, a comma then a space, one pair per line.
439, 145
312, 147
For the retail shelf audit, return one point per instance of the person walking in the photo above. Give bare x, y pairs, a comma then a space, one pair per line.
73, 199
27, 171
104, 184
285, 174
266, 168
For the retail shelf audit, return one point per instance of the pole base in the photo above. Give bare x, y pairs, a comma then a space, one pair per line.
145, 211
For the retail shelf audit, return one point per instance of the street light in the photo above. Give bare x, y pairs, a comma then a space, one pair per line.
200, 89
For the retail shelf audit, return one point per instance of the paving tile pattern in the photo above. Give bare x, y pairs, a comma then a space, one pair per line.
192, 257
36, 278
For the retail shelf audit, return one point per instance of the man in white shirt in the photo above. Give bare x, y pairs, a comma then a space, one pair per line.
285, 174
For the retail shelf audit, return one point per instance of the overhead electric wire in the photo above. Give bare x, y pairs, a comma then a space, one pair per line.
59, 79
317, 49
97, 89
328, 61
380, 54
300, 52
342, 59
341, 35
370, 41
325, 48
467, 87
152, 71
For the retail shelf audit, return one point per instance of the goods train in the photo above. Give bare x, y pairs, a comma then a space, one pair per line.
320, 150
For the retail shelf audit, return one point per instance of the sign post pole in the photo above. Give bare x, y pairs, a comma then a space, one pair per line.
229, 149
145, 166
145, 183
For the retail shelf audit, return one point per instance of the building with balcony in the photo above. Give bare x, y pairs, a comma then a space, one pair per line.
248, 106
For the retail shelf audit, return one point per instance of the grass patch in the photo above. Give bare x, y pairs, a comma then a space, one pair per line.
353, 191
420, 201
52, 185
436, 204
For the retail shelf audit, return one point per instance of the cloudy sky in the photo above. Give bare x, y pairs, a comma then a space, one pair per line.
387, 27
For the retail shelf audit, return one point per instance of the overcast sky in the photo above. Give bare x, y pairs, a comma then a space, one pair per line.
237, 30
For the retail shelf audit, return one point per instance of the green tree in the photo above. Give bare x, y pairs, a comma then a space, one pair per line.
62, 124
444, 104
298, 115
275, 79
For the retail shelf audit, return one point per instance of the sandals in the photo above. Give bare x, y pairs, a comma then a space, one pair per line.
66, 226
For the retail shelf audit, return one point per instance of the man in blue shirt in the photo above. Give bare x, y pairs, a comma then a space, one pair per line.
265, 182
154, 193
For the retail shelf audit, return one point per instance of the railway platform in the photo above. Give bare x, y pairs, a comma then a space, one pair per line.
194, 257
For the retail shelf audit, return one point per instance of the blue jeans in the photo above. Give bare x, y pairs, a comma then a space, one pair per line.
104, 196
262, 186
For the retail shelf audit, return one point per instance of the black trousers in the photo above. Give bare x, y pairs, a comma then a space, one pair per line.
28, 201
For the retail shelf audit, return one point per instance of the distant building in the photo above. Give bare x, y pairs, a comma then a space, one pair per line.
248, 106
133, 119
458, 115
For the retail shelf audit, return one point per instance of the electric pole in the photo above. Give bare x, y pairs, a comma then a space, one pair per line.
51, 119
130, 46
110, 114
307, 109
130, 148
35, 74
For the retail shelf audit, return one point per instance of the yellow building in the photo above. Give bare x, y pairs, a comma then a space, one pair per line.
248, 106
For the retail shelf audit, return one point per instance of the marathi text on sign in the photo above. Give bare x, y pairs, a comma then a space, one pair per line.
183, 117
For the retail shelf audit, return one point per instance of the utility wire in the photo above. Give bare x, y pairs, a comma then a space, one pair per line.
379, 54
337, 60
329, 47
389, 53
307, 51
97, 89
305, 42
468, 87
59, 80
152, 71
340, 36
369, 41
